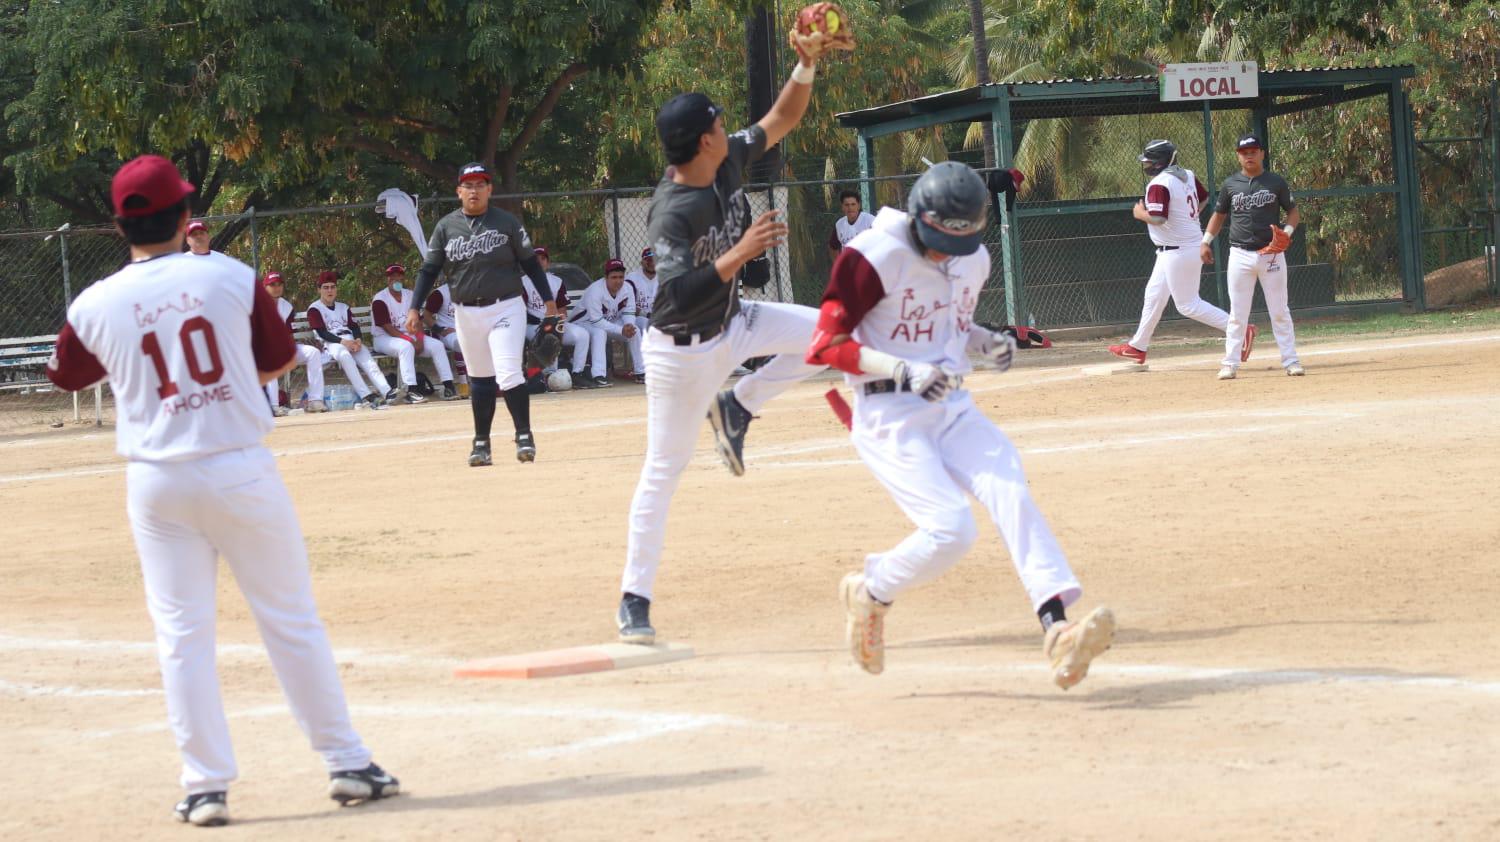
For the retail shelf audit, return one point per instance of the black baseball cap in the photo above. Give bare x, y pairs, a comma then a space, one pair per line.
473, 170
685, 118
1249, 141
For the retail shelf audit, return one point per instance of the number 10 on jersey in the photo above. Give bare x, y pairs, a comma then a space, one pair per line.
201, 374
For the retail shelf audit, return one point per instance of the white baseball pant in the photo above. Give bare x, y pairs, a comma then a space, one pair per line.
312, 359
493, 339
1175, 276
406, 354
352, 362
184, 515
574, 337
681, 381
931, 457
450, 341
600, 333
1245, 268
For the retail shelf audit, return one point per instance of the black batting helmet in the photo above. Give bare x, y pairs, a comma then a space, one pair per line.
948, 207
1157, 156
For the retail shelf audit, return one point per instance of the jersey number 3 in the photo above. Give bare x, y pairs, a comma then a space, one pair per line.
203, 376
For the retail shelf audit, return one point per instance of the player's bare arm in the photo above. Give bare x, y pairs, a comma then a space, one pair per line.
1210, 231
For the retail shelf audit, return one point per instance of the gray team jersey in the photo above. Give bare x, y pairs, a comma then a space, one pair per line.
482, 254
690, 228
1253, 205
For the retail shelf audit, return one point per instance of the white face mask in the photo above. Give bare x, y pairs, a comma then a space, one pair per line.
397, 287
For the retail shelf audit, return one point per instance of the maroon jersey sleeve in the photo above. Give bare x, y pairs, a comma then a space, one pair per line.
833, 238
270, 338
1158, 198
434, 302
380, 312
855, 284
1200, 190
73, 366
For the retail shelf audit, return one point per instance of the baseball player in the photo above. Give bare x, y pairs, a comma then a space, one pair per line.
437, 315
608, 312
484, 251
1252, 200
333, 322
310, 356
388, 311
1170, 210
198, 238
643, 281
700, 226
898, 319
851, 223
536, 313
186, 343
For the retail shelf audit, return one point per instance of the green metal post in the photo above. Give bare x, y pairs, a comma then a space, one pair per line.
254, 243
1016, 311
1221, 283
1403, 144
866, 171
1494, 261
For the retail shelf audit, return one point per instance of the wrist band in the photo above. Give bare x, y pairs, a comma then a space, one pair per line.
1289, 229
803, 75
1208, 239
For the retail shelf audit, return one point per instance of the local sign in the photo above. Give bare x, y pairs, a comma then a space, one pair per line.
1212, 80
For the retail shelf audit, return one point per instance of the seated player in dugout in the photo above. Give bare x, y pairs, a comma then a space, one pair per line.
333, 323
388, 312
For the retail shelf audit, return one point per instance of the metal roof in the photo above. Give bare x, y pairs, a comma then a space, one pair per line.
1110, 95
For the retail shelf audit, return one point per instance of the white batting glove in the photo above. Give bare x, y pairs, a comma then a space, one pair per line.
930, 382
996, 347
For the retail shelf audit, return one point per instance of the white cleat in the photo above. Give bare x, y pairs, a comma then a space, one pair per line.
865, 626
316, 406
1227, 373
1294, 370
1072, 646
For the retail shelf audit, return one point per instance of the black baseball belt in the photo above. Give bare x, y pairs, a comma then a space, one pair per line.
701, 336
883, 387
478, 302
1160, 249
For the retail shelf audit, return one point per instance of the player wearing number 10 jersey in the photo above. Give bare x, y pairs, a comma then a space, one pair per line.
187, 342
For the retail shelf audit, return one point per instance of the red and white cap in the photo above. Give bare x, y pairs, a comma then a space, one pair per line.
197, 225
541, 251
614, 264
272, 278
648, 252
147, 185
395, 269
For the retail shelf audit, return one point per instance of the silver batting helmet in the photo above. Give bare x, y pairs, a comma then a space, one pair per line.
949, 205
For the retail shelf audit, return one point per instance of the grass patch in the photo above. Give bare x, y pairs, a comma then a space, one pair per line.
1475, 317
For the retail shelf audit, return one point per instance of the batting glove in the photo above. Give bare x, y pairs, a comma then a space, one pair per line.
995, 346
930, 382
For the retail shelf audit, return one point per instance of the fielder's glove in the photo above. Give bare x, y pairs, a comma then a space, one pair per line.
820, 29
930, 382
548, 342
997, 347
1280, 239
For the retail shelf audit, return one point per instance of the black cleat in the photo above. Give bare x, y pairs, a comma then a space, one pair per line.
414, 397
602, 382
374, 401
634, 619
390, 397
204, 809
480, 455
583, 381
525, 448
450, 394
729, 420
354, 786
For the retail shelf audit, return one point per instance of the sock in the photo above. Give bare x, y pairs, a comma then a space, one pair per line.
447, 384
482, 400
518, 401
1051, 612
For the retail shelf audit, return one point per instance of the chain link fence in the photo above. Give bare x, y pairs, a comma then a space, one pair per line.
1460, 190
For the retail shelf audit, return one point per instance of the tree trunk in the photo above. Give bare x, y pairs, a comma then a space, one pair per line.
982, 70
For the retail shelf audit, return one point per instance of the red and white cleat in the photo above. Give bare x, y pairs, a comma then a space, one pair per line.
1129, 352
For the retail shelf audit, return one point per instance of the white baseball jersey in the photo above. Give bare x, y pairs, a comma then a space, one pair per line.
337, 320
387, 309
901, 303
845, 231
440, 305
1179, 200
599, 304
536, 306
183, 339
285, 309
645, 291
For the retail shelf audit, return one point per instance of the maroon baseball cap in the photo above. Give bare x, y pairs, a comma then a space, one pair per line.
541, 251
327, 276
146, 185
196, 226
272, 278
395, 269
614, 264
648, 252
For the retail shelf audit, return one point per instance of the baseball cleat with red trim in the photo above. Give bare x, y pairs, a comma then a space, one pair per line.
864, 628
1129, 352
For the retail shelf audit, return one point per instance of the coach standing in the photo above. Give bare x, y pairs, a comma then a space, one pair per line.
1252, 200
484, 251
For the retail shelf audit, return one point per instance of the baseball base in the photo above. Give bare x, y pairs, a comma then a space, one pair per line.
574, 661
1108, 370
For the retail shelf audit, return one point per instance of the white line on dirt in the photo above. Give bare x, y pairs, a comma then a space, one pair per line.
227, 651
11, 688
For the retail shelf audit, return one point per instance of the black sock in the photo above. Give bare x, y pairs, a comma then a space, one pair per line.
482, 392
448, 384
1051, 612
518, 401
